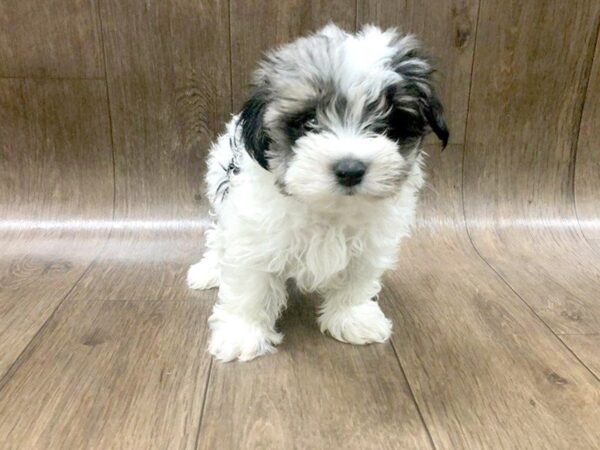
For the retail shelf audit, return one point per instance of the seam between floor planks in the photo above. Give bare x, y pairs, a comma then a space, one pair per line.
108, 109
205, 396
505, 281
22, 356
412, 394
558, 339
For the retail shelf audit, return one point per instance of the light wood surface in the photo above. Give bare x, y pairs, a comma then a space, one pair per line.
115, 374
518, 179
50, 130
107, 109
314, 393
585, 347
587, 182
485, 371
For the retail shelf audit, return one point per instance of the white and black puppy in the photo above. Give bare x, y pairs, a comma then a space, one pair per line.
316, 181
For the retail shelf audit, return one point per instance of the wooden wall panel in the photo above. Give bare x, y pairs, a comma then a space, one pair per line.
257, 25
55, 176
587, 168
169, 89
519, 167
447, 29
51, 38
524, 112
168, 78
55, 152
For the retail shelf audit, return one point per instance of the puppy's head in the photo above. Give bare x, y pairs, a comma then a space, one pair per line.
337, 114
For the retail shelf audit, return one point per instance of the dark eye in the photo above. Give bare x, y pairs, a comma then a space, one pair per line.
310, 124
301, 124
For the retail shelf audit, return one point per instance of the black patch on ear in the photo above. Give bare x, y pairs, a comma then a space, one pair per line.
416, 92
401, 125
256, 139
434, 114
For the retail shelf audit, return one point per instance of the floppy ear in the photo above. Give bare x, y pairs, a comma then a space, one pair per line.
434, 113
415, 94
254, 134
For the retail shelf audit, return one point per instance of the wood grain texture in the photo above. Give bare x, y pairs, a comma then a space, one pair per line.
257, 25
56, 177
314, 393
107, 374
494, 302
168, 81
447, 29
486, 373
55, 153
143, 265
56, 38
587, 168
522, 132
521, 142
168, 100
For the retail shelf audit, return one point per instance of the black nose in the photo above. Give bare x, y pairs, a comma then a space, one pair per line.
349, 172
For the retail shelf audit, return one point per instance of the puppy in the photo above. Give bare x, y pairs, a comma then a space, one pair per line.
316, 180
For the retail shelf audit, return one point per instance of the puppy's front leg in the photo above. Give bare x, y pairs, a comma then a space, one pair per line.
243, 320
349, 312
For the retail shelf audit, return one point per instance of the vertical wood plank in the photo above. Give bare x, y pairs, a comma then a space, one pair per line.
168, 79
55, 38
587, 168
447, 29
524, 111
56, 159
257, 25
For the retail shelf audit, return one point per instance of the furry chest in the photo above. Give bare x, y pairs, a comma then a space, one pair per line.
319, 256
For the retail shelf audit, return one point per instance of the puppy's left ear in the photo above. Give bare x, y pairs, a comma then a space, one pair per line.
254, 133
416, 91
434, 113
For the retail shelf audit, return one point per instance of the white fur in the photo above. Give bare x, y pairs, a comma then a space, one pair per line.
338, 246
298, 223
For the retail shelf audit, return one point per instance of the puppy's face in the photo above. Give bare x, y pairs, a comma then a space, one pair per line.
336, 114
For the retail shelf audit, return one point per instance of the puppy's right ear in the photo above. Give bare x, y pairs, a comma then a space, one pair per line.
254, 133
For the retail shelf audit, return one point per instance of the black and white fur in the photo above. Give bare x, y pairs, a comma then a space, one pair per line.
316, 180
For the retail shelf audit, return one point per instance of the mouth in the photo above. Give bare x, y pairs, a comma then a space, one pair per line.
349, 191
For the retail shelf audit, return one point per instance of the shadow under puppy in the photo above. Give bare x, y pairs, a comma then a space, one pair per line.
317, 180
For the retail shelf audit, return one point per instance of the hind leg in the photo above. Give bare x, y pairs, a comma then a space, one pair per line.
206, 273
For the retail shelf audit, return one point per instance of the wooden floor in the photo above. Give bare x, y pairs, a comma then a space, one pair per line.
497, 347
106, 111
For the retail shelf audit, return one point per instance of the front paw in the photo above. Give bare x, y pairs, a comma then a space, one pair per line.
233, 337
357, 324
203, 275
